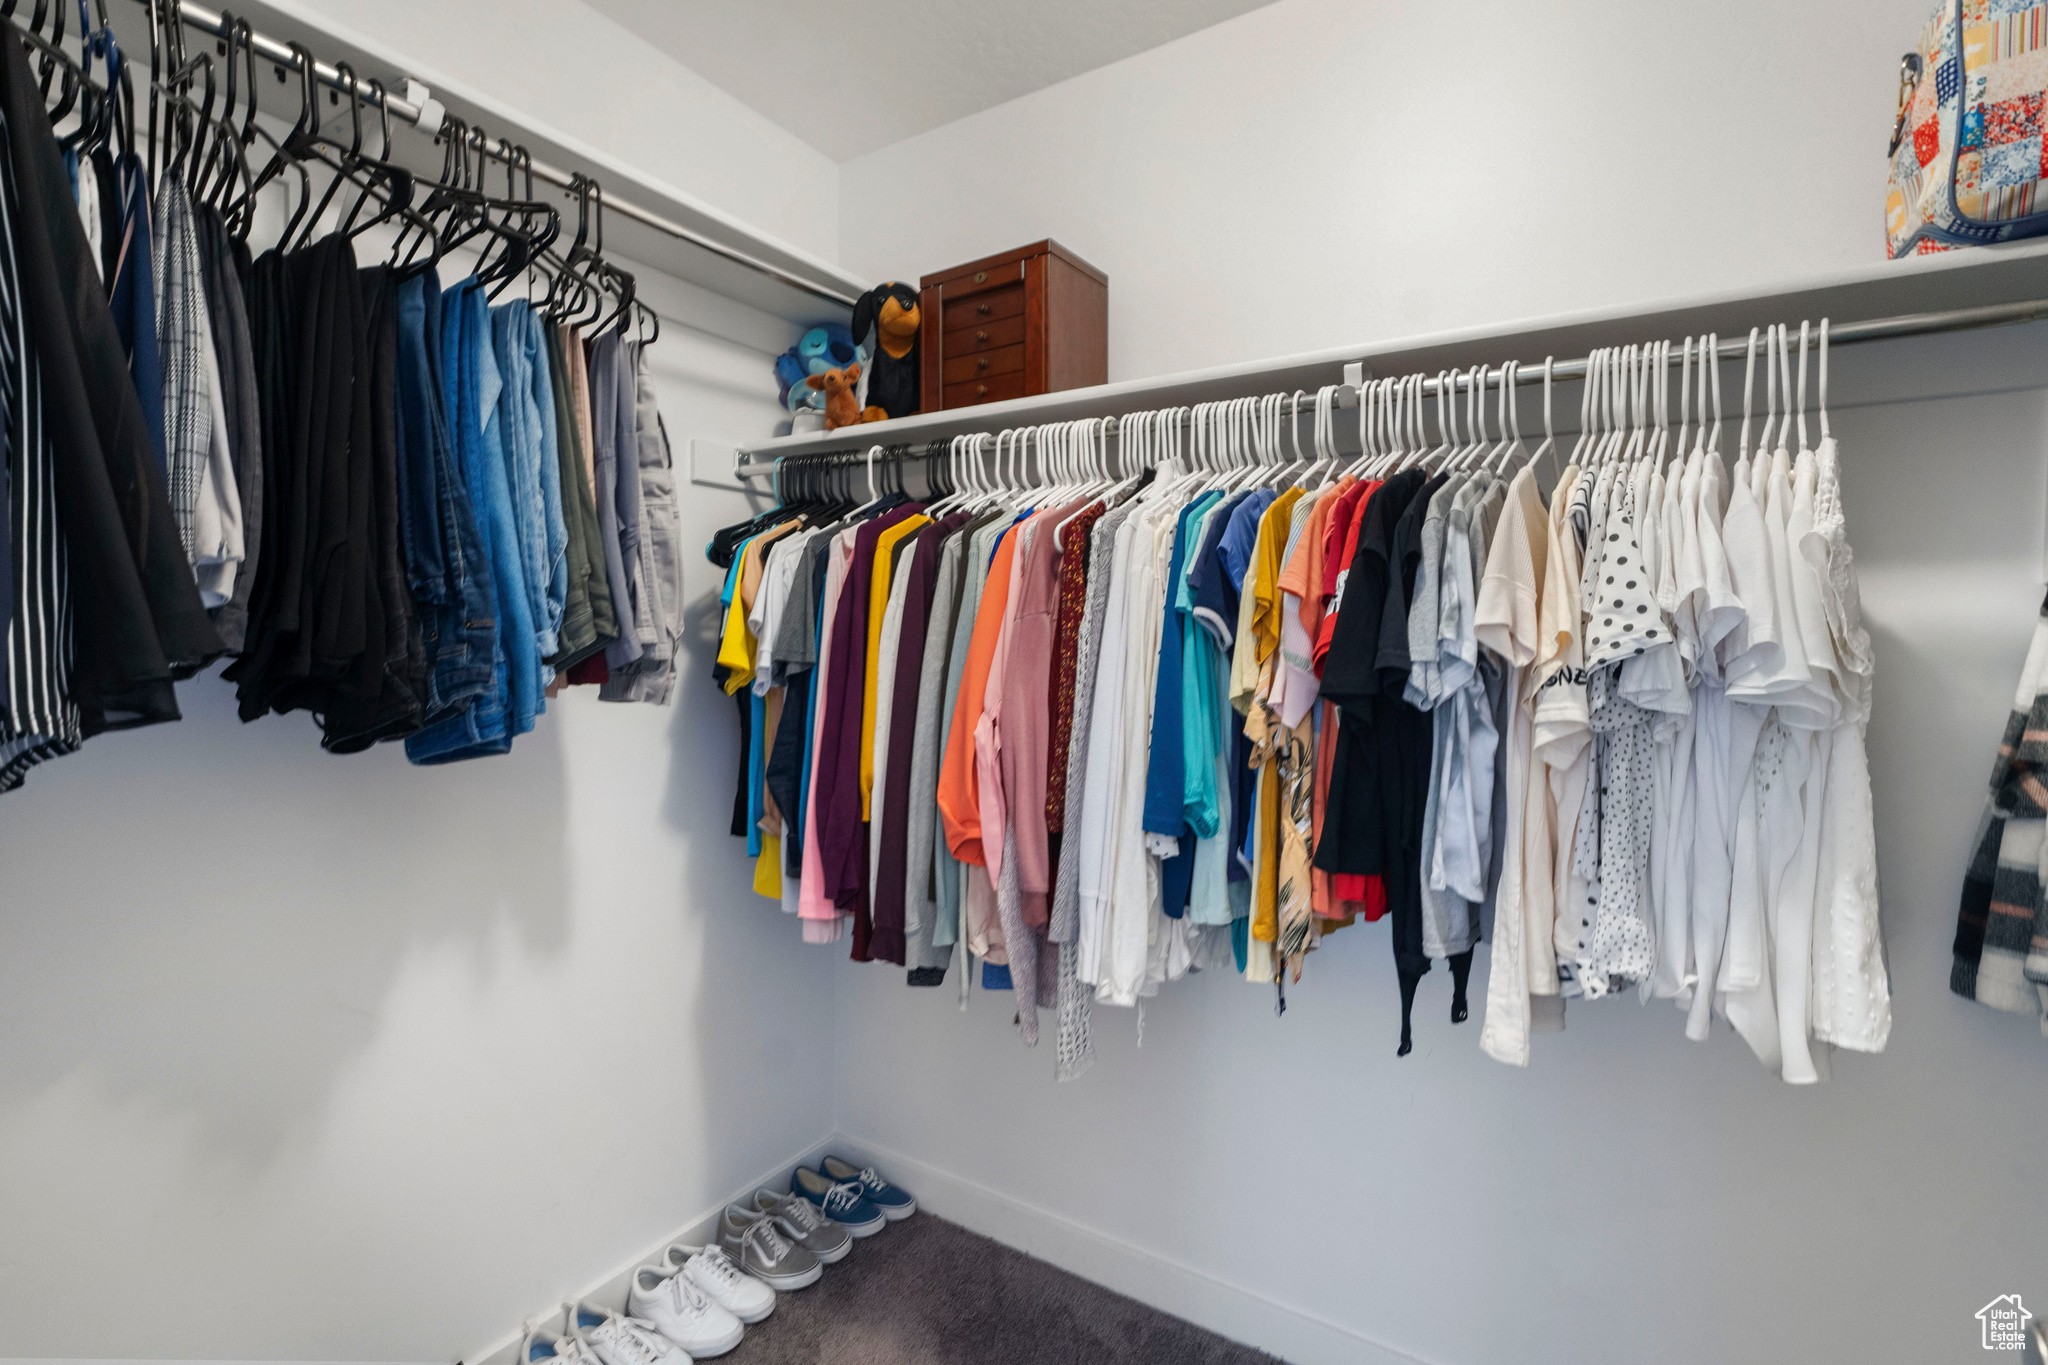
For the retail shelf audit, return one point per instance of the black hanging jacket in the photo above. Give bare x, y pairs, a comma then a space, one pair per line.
137, 619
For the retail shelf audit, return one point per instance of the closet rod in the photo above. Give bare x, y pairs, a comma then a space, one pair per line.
209, 22
1847, 334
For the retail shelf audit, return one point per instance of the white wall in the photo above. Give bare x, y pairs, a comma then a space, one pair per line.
569, 68
332, 1058
336, 1058
318, 1057
1319, 173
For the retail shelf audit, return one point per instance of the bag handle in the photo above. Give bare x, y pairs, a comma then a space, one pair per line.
1909, 84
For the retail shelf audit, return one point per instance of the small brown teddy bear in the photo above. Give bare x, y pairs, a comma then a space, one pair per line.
842, 407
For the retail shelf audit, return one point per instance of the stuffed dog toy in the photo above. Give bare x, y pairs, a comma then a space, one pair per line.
842, 409
891, 309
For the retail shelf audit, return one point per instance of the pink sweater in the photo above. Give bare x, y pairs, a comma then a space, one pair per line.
814, 902
1025, 714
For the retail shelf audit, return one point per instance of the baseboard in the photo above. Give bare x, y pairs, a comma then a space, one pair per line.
610, 1291
1295, 1335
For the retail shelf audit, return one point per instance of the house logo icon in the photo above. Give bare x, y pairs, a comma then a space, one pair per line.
2004, 1320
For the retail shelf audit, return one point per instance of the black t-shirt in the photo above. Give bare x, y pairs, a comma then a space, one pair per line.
1403, 559
1351, 670
1379, 778
1353, 828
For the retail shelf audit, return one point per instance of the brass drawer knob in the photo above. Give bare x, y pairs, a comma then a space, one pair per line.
981, 364
982, 309
981, 277
981, 336
981, 390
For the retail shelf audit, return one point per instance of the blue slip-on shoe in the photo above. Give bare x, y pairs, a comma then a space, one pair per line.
894, 1203
842, 1201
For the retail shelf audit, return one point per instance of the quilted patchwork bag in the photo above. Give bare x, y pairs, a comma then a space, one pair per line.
1967, 146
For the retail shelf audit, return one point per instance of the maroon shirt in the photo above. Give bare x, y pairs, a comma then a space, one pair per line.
842, 834
891, 873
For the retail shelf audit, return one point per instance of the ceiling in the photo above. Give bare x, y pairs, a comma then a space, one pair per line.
851, 78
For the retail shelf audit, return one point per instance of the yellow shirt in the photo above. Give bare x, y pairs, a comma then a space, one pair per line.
736, 647
878, 605
736, 640
768, 869
1270, 549
1263, 727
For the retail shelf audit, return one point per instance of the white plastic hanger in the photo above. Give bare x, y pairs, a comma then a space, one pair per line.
1593, 409
1391, 450
1660, 400
1394, 449
1604, 410
1763, 445
1511, 449
1418, 407
1130, 445
1387, 429
1250, 443
1595, 359
1635, 409
1311, 463
1368, 452
1164, 437
1628, 399
1472, 382
1401, 452
1803, 447
1825, 434
1713, 446
1014, 480
1481, 441
1298, 467
1326, 432
1050, 441
1685, 396
1506, 419
1608, 406
1445, 400
1227, 457
1614, 381
1748, 387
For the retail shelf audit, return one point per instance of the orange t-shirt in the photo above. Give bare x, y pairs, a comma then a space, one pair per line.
959, 792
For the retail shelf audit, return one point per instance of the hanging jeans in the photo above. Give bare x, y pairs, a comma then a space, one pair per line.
533, 467
470, 651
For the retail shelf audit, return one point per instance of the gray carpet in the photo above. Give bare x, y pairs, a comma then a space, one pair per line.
929, 1292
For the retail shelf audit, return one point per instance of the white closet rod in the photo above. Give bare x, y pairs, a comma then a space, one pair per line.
271, 50
1531, 372
1845, 334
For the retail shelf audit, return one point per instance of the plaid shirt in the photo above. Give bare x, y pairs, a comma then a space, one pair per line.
181, 346
2001, 946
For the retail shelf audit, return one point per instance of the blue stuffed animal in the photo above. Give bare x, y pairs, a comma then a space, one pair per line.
828, 346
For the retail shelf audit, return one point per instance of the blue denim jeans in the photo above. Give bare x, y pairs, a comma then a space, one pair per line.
536, 343
468, 690
530, 460
444, 559
470, 360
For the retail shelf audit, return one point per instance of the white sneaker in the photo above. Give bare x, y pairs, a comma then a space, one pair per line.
545, 1348
619, 1340
731, 1288
682, 1312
